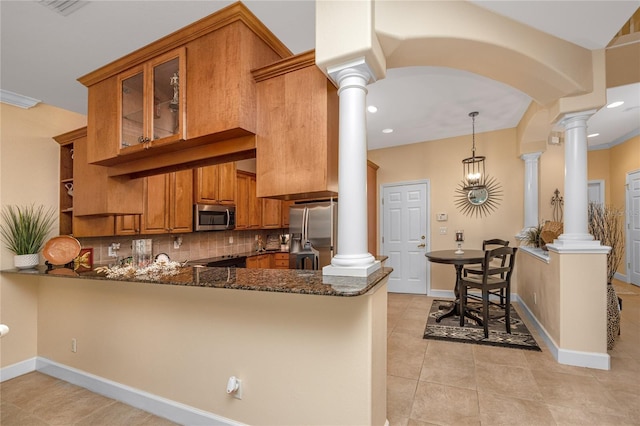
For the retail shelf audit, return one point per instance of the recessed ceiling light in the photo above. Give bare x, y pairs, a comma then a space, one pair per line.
593, 135
615, 104
372, 109
387, 130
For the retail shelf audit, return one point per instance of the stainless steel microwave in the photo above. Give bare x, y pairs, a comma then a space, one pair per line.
209, 217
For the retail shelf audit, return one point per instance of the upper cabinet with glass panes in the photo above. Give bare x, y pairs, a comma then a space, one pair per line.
169, 103
152, 103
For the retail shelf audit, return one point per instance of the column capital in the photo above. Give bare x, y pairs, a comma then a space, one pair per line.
568, 119
531, 156
354, 67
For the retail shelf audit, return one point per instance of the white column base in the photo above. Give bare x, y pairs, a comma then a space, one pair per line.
352, 271
561, 245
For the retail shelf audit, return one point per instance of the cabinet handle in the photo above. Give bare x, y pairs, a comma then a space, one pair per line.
140, 139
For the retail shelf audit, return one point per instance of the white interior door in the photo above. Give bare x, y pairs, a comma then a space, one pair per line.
404, 235
633, 227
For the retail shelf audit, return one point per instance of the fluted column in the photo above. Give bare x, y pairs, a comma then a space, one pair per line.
531, 191
575, 219
352, 258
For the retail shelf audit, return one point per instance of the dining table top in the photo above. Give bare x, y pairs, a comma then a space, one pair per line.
452, 258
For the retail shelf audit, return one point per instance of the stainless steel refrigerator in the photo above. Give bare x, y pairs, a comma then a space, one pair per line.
313, 234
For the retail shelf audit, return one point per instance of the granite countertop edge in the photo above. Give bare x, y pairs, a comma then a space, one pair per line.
267, 280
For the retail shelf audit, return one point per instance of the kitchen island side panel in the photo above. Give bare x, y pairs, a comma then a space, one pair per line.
302, 359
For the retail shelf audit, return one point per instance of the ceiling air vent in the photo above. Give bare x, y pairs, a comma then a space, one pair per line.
63, 7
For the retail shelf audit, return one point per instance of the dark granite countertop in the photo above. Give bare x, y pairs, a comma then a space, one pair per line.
271, 280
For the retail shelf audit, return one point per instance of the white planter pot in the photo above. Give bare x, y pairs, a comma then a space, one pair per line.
26, 261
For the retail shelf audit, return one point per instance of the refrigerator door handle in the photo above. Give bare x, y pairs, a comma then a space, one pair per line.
305, 225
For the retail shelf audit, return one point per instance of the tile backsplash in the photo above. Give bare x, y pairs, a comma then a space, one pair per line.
195, 245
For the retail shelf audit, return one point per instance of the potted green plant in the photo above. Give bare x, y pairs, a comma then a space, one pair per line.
24, 230
606, 225
532, 236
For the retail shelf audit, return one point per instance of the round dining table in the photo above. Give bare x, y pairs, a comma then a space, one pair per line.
458, 260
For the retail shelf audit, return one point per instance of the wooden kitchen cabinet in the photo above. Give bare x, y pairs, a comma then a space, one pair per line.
127, 224
215, 184
248, 206
262, 261
66, 142
284, 221
133, 97
297, 139
86, 213
151, 101
271, 216
372, 207
280, 261
168, 203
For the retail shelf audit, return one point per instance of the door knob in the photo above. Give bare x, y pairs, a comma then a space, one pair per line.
421, 245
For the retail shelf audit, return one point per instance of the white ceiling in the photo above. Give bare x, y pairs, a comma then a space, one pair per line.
43, 53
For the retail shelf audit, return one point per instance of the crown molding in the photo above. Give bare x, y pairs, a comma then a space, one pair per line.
17, 100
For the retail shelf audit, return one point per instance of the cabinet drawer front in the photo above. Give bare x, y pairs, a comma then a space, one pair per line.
282, 256
281, 263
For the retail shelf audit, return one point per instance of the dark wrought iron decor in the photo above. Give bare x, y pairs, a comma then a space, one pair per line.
557, 202
479, 202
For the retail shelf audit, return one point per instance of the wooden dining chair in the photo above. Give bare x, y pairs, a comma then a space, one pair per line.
498, 262
492, 278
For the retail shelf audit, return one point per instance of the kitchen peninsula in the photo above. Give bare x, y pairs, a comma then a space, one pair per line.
309, 349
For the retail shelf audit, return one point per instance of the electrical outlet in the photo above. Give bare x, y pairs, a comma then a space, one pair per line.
74, 345
230, 240
535, 299
238, 394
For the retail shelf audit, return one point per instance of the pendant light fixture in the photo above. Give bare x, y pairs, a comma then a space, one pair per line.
473, 173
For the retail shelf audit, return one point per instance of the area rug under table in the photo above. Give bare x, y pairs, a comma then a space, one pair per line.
449, 329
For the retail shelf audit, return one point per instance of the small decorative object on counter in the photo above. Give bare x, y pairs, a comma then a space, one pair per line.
141, 251
459, 240
84, 261
259, 244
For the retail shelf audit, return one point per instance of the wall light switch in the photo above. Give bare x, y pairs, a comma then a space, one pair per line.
442, 217
443, 230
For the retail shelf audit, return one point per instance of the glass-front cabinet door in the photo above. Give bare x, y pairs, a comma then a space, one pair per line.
132, 108
152, 106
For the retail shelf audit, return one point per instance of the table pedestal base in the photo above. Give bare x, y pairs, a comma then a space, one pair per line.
455, 305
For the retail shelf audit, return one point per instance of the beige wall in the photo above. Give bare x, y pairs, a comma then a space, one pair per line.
599, 166
539, 289
583, 290
28, 174
303, 359
441, 163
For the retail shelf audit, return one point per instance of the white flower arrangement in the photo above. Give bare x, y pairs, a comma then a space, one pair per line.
153, 272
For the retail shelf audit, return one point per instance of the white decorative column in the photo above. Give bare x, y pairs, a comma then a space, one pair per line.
352, 258
576, 201
531, 192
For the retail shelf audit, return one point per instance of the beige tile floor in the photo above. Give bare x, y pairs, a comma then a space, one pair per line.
429, 383
440, 383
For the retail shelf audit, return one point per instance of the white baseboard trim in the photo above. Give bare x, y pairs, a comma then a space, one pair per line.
621, 277
565, 356
441, 294
584, 359
18, 369
163, 407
